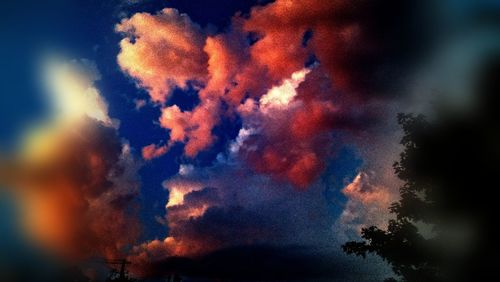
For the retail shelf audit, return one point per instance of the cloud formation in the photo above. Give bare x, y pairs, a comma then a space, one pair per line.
227, 205
368, 203
75, 178
169, 57
302, 78
251, 71
226, 211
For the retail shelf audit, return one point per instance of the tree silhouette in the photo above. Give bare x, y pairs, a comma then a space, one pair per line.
401, 244
444, 228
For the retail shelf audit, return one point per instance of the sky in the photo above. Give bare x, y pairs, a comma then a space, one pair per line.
217, 139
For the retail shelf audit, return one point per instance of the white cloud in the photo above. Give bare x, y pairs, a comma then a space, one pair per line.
72, 90
282, 95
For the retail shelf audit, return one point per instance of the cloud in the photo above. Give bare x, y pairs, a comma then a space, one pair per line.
367, 204
167, 58
139, 104
282, 95
152, 151
225, 213
360, 46
294, 108
227, 205
303, 78
289, 134
192, 127
75, 178
294, 85
72, 90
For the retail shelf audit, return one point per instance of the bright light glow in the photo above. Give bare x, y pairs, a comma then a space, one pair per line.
73, 92
280, 96
178, 190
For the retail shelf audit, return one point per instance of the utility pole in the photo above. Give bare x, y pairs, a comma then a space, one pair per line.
122, 275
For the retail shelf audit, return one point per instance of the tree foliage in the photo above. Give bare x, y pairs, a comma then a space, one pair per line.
448, 168
401, 244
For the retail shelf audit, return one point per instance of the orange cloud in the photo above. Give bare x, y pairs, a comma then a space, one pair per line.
79, 199
281, 26
74, 178
291, 107
362, 189
367, 204
162, 51
192, 127
152, 151
222, 64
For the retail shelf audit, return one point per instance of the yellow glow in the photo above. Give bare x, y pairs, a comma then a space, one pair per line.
176, 197
73, 92
178, 190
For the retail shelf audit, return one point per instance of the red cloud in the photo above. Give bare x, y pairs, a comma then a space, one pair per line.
293, 135
152, 151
